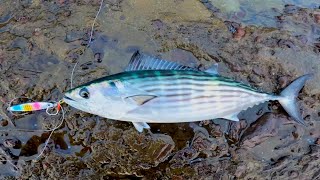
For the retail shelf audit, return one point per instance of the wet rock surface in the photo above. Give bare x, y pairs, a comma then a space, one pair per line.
40, 41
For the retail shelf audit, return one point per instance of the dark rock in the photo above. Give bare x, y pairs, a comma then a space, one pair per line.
201, 140
262, 129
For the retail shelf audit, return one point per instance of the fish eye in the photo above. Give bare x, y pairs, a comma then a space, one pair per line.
84, 93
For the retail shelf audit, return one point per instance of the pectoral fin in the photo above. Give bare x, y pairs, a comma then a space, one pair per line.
140, 99
233, 117
140, 126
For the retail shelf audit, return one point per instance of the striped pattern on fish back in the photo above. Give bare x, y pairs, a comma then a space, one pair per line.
193, 91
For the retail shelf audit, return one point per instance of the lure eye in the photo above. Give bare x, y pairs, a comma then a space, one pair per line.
84, 93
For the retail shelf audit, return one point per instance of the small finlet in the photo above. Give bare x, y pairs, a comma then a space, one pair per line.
140, 126
213, 69
140, 62
233, 117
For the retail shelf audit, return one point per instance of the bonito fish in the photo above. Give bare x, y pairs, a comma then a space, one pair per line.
153, 90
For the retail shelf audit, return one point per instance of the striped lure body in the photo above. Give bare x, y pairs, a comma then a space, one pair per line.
34, 106
162, 93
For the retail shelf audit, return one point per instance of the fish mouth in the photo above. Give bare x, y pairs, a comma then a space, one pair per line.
67, 98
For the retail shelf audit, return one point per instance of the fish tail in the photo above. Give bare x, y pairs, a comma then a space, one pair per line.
288, 97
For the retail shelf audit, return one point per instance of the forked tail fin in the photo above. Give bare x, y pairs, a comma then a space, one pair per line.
288, 98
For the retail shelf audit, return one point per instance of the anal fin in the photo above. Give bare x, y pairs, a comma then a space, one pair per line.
140, 126
233, 117
213, 69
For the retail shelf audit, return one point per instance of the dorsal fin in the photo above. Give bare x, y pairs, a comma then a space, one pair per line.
144, 62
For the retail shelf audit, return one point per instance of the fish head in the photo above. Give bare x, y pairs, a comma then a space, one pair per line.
101, 99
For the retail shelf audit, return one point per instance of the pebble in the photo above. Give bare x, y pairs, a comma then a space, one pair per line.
216, 131
97, 57
280, 18
258, 39
3, 159
243, 124
254, 79
286, 43
259, 112
158, 24
283, 81
23, 19
275, 107
37, 31
317, 18
67, 13
293, 174
240, 33
122, 17
291, 9
11, 143
303, 39
257, 71
235, 67
4, 123
73, 36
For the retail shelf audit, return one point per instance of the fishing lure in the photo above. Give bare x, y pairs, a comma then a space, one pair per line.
35, 106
